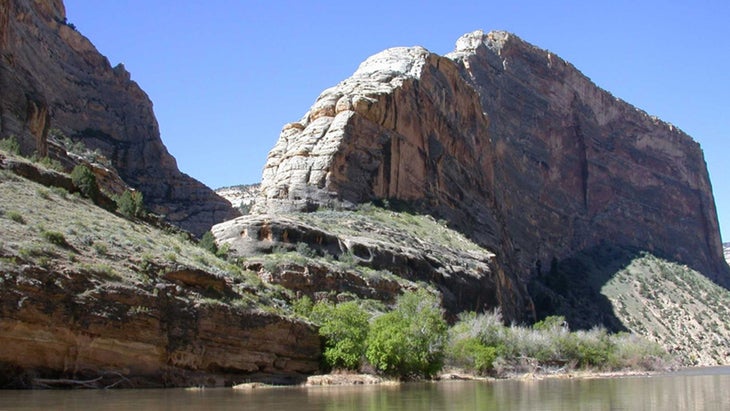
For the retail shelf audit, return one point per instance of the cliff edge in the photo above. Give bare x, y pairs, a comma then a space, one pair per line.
52, 77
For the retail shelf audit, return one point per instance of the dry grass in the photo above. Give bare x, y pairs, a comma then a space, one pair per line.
675, 306
61, 232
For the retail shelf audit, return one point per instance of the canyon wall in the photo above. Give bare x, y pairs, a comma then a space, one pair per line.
512, 146
52, 77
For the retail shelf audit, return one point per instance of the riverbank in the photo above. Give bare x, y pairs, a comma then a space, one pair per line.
357, 379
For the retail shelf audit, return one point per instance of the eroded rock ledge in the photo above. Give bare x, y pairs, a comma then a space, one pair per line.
69, 326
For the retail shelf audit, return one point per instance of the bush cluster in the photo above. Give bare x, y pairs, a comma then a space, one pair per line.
548, 343
406, 342
414, 341
131, 204
85, 180
10, 144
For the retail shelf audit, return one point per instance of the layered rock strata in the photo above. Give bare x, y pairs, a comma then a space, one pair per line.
51, 76
374, 255
509, 143
57, 328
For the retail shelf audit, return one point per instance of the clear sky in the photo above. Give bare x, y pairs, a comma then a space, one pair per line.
225, 76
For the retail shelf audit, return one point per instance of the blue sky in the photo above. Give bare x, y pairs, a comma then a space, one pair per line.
225, 76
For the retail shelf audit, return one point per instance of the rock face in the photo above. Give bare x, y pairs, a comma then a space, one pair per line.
726, 251
53, 77
373, 254
242, 196
56, 326
154, 309
510, 144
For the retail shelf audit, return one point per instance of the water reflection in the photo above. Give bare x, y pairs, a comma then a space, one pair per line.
691, 390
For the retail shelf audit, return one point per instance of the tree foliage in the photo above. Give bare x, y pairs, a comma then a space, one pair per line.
85, 180
410, 340
131, 204
345, 328
207, 242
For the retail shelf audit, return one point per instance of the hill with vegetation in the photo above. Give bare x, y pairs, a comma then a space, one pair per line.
95, 293
104, 295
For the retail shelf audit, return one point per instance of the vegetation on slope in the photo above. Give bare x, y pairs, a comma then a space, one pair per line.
676, 306
67, 233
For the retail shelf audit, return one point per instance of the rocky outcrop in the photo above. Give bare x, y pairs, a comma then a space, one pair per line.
51, 76
374, 255
57, 327
241, 197
510, 144
726, 251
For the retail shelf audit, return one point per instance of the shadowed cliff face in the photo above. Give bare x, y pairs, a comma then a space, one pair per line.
578, 166
53, 77
511, 145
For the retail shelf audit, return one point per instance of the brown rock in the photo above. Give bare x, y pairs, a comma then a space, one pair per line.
510, 144
56, 327
51, 76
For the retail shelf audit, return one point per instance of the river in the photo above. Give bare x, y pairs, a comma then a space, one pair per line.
691, 389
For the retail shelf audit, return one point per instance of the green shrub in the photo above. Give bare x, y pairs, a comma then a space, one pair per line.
131, 204
15, 216
345, 328
100, 248
303, 307
207, 242
223, 251
54, 237
409, 341
305, 250
11, 145
85, 180
471, 354
50, 163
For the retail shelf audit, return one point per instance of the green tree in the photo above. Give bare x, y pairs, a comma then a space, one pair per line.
131, 204
345, 328
85, 180
207, 242
409, 341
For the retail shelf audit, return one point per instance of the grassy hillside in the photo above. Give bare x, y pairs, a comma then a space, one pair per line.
675, 306
66, 233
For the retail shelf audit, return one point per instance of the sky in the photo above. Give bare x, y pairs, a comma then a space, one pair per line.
225, 76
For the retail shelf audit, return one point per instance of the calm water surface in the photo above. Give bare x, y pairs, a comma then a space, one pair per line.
693, 389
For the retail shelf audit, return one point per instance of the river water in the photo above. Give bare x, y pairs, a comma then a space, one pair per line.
691, 389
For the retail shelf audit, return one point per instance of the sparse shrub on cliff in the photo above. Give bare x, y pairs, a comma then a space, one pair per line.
345, 329
48, 163
305, 250
54, 237
410, 340
131, 204
207, 242
15, 216
85, 180
11, 145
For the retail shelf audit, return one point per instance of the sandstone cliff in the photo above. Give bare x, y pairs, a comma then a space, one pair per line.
510, 144
90, 299
51, 76
241, 196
